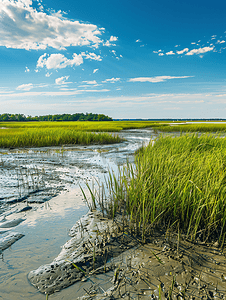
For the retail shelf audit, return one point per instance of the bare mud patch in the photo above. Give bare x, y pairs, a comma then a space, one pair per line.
164, 268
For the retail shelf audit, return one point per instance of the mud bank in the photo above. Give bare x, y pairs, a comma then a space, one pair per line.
95, 241
164, 268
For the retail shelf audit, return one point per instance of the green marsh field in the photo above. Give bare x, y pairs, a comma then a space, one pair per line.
41, 134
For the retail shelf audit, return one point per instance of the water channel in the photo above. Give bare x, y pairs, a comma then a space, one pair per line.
40, 186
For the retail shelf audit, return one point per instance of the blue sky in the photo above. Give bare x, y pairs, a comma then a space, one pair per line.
126, 59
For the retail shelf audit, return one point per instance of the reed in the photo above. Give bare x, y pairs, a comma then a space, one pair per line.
179, 181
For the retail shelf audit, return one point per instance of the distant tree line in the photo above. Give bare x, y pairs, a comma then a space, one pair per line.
64, 117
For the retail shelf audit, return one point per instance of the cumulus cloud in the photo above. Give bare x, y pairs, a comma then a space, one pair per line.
58, 61
183, 51
27, 70
95, 70
156, 78
108, 42
112, 80
61, 80
113, 38
24, 27
161, 54
200, 50
25, 87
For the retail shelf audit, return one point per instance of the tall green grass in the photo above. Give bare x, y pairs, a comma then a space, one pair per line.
179, 181
43, 137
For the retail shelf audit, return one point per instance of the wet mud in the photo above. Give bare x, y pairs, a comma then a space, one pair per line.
164, 269
167, 267
95, 240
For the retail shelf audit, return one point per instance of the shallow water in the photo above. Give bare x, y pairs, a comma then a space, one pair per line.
48, 179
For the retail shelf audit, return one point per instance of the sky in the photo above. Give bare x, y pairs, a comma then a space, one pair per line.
127, 59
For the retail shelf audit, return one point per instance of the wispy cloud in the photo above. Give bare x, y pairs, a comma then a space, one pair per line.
156, 78
28, 28
25, 87
90, 82
91, 56
61, 80
182, 51
200, 50
48, 74
111, 80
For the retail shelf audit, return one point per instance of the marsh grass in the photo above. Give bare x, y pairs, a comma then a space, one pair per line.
108, 126
208, 127
179, 182
40, 134
44, 137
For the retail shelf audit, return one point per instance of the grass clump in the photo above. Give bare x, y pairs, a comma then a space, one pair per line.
178, 180
44, 137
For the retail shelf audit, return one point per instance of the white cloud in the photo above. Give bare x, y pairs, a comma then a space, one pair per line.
27, 70
48, 74
156, 78
161, 54
138, 41
53, 93
113, 38
23, 27
90, 82
182, 51
112, 80
25, 87
91, 56
61, 80
200, 50
108, 42
170, 53
58, 61
220, 42
95, 70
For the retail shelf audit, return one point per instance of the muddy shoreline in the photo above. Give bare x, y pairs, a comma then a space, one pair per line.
41, 186
166, 267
